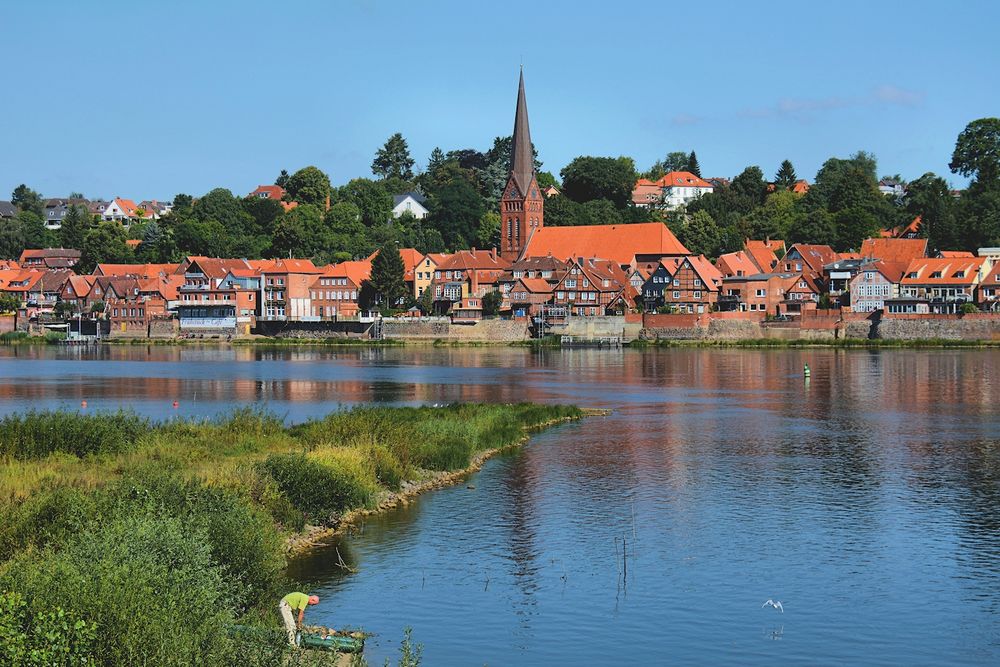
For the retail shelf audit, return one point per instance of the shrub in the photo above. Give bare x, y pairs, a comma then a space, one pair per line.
51, 516
38, 434
317, 490
42, 637
242, 539
389, 472
149, 585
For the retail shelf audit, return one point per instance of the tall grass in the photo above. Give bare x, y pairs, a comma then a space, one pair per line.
148, 540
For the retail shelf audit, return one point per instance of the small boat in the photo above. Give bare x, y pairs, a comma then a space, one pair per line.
339, 643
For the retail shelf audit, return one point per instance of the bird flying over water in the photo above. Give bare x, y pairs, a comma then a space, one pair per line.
776, 605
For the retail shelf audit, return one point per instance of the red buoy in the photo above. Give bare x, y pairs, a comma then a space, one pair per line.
176, 404
83, 404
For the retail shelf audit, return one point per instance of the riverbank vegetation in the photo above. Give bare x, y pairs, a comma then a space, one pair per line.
127, 541
870, 343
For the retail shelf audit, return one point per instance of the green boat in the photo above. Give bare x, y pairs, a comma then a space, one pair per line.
351, 642
337, 643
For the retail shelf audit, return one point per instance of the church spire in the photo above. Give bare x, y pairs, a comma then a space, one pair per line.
522, 161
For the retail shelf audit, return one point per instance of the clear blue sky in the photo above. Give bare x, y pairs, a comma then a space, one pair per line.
148, 99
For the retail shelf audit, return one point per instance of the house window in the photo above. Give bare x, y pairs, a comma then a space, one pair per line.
761, 292
677, 294
697, 294
697, 282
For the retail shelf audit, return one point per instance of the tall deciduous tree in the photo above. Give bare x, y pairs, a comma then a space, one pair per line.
27, 199
930, 198
977, 151
455, 212
393, 159
587, 178
104, 243
300, 233
701, 235
388, 278
674, 161
785, 178
372, 199
309, 185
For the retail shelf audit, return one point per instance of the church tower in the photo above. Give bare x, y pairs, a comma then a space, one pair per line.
521, 204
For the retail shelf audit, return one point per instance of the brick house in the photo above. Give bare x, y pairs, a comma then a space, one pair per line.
589, 287
943, 285
336, 293
875, 283
527, 296
467, 273
694, 286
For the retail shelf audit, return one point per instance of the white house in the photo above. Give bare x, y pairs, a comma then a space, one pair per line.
409, 202
125, 211
672, 191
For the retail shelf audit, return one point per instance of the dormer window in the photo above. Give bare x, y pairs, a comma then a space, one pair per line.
960, 274
936, 274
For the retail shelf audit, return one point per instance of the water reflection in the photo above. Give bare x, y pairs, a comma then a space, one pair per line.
866, 499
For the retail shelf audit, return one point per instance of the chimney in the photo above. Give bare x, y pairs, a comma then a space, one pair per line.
473, 251
493, 253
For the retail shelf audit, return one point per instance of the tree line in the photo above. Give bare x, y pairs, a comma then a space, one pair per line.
463, 188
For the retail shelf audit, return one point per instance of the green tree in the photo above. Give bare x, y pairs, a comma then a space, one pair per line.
26, 199
785, 178
455, 212
546, 179
308, 185
300, 233
930, 198
776, 217
8, 303
104, 243
393, 159
388, 277
701, 235
692, 165
75, 225
34, 231
435, 160
491, 303
674, 161
488, 233
282, 180
817, 226
587, 178
853, 226
11, 238
979, 215
196, 237
977, 151
220, 205
372, 199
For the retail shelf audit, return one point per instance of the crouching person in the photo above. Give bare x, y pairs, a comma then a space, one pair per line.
293, 612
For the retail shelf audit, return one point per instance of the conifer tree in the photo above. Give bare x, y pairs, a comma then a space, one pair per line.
692, 165
388, 276
785, 178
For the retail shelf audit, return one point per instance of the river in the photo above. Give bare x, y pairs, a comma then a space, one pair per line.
866, 498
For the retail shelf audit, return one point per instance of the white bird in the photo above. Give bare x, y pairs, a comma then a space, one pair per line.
776, 605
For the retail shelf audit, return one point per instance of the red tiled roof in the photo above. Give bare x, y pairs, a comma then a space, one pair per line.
710, 276
355, 271
731, 264
953, 271
479, 260
955, 253
275, 192
682, 179
800, 187
618, 243
536, 285
894, 250
764, 253
815, 256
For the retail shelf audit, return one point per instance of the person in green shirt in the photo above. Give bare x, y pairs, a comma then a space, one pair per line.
295, 602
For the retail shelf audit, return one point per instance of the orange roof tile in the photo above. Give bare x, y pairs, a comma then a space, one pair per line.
955, 253
275, 192
710, 276
682, 179
763, 253
536, 285
736, 264
618, 243
894, 250
947, 271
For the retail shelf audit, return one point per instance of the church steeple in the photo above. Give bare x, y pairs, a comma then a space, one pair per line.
521, 206
521, 154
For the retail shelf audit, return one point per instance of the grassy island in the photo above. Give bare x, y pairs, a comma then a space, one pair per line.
127, 541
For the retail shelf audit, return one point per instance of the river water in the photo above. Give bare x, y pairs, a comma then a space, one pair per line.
866, 499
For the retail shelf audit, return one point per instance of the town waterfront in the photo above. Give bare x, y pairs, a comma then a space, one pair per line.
864, 498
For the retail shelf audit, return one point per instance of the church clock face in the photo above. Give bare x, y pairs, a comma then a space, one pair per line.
513, 193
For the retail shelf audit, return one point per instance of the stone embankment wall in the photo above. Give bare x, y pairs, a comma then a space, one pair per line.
822, 326
485, 331
313, 330
974, 326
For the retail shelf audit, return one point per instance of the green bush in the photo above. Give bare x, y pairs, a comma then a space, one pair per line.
242, 539
37, 434
388, 470
41, 637
48, 517
317, 490
147, 583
